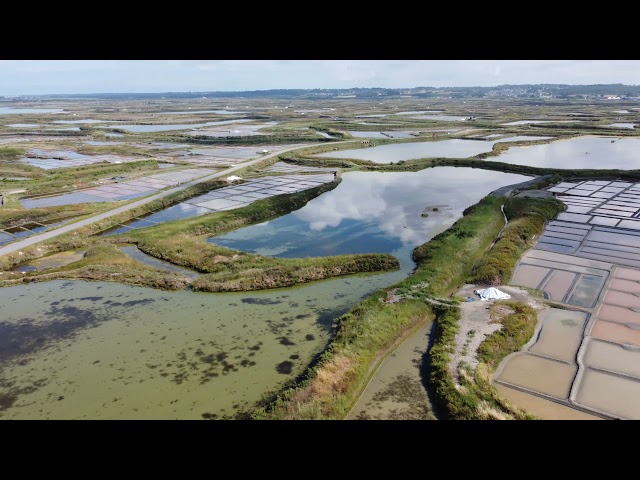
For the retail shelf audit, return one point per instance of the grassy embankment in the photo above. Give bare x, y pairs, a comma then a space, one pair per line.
183, 242
83, 238
371, 330
476, 399
10, 168
104, 262
13, 214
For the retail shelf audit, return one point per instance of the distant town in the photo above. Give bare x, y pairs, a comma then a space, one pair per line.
615, 91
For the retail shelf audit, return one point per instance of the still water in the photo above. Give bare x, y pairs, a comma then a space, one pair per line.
89, 120
17, 111
166, 128
455, 148
372, 212
195, 112
75, 349
581, 152
622, 125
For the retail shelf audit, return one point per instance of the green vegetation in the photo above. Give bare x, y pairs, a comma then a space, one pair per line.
124, 150
517, 329
447, 259
527, 217
364, 337
105, 263
335, 382
13, 215
444, 263
183, 242
10, 153
475, 398
274, 139
70, 179
9, 202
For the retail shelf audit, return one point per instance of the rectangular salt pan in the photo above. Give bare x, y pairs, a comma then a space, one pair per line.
617, 207
529, 275
609, 393
613, 213
578, 232
556, 223
552, 247
578, 191
578, 209
568, 236
633, 224
612, 246
560, 241
608, 221
574, 217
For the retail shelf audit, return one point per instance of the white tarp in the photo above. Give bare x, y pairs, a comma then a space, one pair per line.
233, 178
492, 293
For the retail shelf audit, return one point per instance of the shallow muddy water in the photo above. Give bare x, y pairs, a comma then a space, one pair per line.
75, 349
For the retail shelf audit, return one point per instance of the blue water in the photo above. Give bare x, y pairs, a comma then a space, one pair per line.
577, 153
454, 148
16, 111
372, 212
166, 128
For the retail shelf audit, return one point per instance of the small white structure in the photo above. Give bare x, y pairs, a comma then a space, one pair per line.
492, 293
233, 178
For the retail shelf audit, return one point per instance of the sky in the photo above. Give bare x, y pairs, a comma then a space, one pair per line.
41, 77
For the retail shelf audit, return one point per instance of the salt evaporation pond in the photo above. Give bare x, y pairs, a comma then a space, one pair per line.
76, 349
454, 148
577, 153
166, 128
20, 111
372, 212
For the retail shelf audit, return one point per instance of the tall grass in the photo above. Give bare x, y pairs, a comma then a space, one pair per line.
474, 398
366, 333
371, 329
527, 217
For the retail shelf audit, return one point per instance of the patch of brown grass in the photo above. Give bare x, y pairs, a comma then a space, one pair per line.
329, 380
499, 311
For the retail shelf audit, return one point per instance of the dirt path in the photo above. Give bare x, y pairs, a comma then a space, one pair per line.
474, 317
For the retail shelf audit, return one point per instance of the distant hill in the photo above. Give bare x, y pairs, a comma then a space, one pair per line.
513, 91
